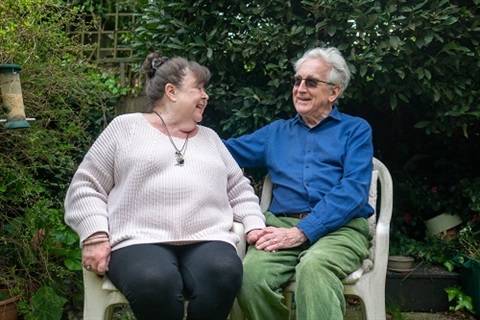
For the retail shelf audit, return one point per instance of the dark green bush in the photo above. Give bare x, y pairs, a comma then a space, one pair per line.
420, 57
70, 100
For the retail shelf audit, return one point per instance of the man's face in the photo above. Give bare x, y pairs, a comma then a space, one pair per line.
314, 103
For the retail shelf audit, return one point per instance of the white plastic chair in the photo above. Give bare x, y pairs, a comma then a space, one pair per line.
368, 282
101, 296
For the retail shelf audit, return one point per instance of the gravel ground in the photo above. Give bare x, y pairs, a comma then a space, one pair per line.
354, 313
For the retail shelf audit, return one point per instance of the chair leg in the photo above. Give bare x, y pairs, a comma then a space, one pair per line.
373, 308
109, 312
236, 313
96, 310
288, 302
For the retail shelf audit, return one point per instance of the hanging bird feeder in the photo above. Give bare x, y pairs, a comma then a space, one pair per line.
12, 97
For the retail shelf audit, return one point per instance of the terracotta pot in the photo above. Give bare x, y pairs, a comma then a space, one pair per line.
400, 263
8, 308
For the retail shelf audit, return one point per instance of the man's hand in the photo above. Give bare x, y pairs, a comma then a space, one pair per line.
274, 239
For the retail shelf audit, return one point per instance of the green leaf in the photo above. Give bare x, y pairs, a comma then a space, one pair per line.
422, 124
199, 40
331, 30
73, 264
363, 70
47, 304
400, 73
452, 292
450, 265
395, 42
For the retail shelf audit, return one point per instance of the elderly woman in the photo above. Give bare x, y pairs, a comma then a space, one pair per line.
155, 198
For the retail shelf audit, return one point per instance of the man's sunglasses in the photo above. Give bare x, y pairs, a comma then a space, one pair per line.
309, 82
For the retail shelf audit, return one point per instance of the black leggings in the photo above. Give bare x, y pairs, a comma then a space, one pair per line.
157, 278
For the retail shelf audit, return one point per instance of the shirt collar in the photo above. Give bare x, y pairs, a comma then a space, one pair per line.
335, 114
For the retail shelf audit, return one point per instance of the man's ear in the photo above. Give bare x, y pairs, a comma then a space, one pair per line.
171, 91
335, 93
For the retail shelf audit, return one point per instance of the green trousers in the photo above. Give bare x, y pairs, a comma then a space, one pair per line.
318, 270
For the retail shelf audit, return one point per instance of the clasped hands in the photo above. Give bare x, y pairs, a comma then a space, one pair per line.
272, 239
96, 254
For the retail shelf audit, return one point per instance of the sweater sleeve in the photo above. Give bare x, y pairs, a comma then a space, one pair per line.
86, 200
242, 198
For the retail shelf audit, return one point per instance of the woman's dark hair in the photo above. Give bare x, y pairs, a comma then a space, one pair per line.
161, 70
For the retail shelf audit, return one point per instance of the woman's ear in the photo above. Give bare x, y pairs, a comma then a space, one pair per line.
171, 92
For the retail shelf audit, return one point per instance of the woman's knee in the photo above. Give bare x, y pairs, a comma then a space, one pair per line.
151, 280
225, 272
214, 264
151, 293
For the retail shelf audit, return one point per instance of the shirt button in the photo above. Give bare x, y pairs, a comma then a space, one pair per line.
307, 166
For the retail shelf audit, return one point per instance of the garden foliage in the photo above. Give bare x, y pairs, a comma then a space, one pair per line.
414, 56
39, 254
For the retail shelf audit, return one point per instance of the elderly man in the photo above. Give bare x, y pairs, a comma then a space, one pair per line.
320, 163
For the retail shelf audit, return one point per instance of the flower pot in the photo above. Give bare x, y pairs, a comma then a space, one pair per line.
8, 308
442, 223
422, 290
470, 279
400, 263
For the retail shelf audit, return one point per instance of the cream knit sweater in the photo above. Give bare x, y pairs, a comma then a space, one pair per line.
128, 186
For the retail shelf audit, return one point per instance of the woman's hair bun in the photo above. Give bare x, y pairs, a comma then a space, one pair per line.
157, 62
152, 63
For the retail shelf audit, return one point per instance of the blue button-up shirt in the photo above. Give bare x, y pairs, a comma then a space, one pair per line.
324, 170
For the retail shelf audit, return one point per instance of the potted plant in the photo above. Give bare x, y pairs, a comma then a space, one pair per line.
442, 223
433, 202
441, 218
467, 262
8, 303
422, 286
400, 263
467, 239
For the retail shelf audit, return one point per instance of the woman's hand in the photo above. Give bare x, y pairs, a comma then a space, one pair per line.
254, 235
96, 253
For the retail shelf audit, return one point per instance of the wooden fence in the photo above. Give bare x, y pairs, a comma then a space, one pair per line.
105, 40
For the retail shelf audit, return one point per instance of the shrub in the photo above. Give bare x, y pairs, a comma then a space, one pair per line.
70, 100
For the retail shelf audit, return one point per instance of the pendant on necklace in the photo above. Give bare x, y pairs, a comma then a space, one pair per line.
180, 160
178, 153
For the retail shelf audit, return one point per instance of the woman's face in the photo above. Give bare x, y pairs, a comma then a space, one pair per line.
192, 98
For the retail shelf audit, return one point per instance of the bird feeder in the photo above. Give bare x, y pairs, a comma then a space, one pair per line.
12, 96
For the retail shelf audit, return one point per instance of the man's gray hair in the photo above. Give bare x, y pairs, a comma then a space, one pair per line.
339, 74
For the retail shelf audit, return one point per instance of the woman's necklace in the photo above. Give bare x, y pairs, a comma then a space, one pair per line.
178, 153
